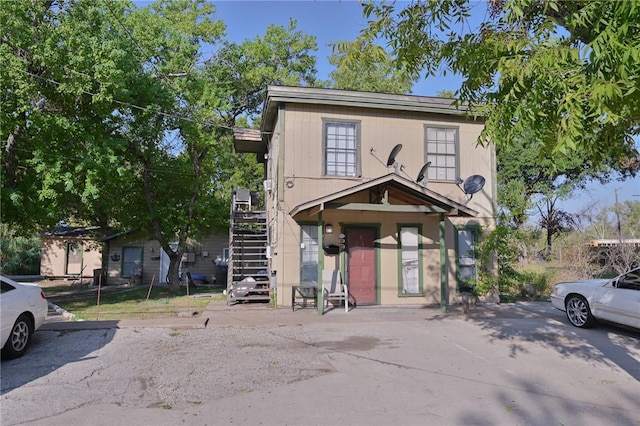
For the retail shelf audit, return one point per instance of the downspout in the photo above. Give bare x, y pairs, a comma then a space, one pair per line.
443, 266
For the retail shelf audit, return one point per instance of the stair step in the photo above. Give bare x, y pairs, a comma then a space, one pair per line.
247, 257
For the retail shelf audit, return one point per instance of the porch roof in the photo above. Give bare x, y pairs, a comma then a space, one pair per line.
418, 199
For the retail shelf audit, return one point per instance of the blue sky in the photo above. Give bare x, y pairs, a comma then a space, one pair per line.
332, 21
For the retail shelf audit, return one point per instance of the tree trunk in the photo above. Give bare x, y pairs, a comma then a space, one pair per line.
173, 276
547, 250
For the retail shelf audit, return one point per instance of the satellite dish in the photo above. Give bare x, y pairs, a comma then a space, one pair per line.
473, 184
423, 171
392, 156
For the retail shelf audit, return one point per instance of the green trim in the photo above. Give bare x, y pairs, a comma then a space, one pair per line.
320, 259
376, 245
444, 282
357, 123
476, 229
420, 261
457, 145
494, 180
343, 259
281, 136
320, 300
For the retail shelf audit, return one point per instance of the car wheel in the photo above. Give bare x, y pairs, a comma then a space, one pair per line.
578, 312
19, 338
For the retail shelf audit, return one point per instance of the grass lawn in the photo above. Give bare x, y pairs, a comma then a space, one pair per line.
131, 303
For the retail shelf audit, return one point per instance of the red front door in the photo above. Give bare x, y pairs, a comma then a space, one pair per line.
361, 265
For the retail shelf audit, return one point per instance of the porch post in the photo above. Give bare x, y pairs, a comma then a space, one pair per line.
320, 298
443, 267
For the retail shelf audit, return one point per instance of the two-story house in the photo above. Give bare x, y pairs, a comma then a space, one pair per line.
390, 190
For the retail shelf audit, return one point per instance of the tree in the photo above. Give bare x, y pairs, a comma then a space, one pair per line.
446, 94
630, 219
62, 68
140, 137
18, 255
367, 72
524, 177
554, 220
601, 222
565, 74
596, 222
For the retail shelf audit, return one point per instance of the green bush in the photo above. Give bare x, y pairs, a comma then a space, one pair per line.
503, 245
540, 281
18, 255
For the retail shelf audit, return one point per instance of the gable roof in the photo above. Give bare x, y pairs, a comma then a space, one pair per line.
418, 198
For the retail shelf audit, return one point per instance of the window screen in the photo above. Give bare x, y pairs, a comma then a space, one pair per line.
441, 152
341, 149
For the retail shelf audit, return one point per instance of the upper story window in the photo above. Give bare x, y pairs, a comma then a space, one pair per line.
341, 148
442, 151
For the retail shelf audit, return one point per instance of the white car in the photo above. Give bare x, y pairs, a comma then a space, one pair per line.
615, 300
23, 309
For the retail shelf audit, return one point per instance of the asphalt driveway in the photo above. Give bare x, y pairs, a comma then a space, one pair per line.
508, 364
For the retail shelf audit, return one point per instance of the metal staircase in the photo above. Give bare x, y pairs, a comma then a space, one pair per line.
248, 273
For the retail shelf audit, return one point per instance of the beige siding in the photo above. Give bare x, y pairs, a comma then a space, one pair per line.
295, 167
204, 253
304, 144
286, 259
53, 257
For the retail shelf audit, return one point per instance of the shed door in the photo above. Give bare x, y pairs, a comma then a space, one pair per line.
361, 265
74, 258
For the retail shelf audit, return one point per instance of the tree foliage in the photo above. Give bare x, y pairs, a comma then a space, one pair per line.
565, 74
61, 72
121, 116
554, 220
524, 177
365, 71
18, 255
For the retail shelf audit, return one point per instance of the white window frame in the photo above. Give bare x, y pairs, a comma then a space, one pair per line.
442, 150
409, 256
341, 148
309, 253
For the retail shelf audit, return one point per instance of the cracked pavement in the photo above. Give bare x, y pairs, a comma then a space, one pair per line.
509, 364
